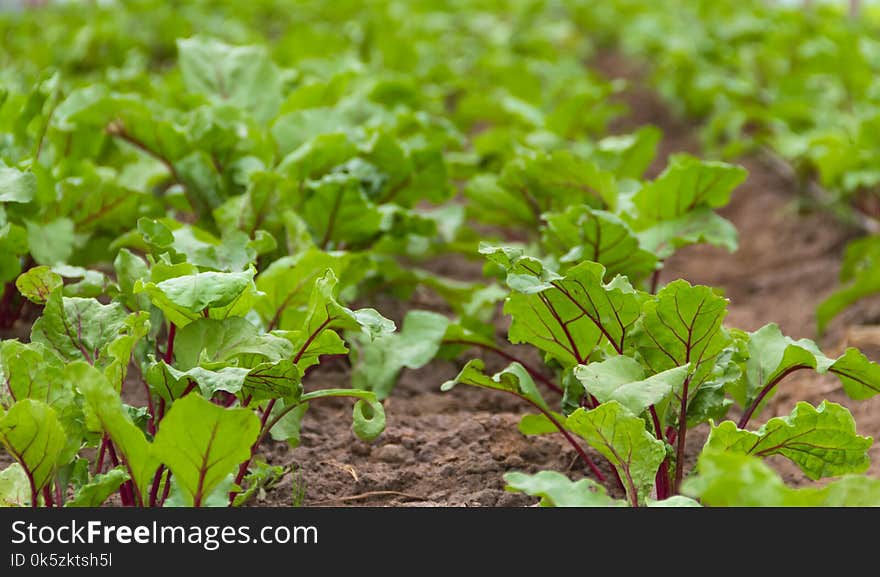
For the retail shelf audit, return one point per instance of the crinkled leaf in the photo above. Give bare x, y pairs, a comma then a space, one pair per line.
822, 441
201, 443
622, 438
382, 359
77, 328
234, 340
557, 490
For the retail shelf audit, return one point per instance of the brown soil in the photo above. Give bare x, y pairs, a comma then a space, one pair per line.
451, 449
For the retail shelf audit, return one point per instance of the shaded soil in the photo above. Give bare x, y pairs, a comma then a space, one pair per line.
451, 449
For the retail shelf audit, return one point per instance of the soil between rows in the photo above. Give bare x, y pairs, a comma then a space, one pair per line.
451, 449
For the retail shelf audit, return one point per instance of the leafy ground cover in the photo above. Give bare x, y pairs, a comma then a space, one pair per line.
242, 260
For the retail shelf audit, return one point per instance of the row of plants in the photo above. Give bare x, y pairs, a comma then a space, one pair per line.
791, 79
194, 223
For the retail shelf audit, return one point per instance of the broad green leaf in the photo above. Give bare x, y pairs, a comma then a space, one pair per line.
170, 383
687, 184
37, 283
116, 356
822, 441
77, 328
235, 341
772, 356
201, 443
622, 438
279, 380
17, 186
682, 325
540, 424
242, 75
381, 360
629, 155
557, 490
699, 226
52, 242
184, 298
860, 376
583, 233
513, 379
566, 317
15, 489
130, 268
105, 412
33, 435
731, 479
96, 492
620, 379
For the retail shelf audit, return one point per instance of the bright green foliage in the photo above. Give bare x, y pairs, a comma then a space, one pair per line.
202, 443
33, 435
621, 437
821, 440
556, 490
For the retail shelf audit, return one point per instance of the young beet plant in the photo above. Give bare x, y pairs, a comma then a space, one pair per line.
214, 382
641, 370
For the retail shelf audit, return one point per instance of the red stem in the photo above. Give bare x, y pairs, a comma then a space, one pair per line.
242, 469
682, 433
744, 420
661, 481
169, 350
154, 490
47, 496
101, 453
126, 492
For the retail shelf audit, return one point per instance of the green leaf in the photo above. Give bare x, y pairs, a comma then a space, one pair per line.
242, 75
583, 233
731, 479
822, 441
234, 341
621, 437
184, 298
96, 492
337, 211
513, 379
33, 435
15, 489
324, 314
17, 186
683, 325
772, 356
629, 155
77, 328
860, 376
288, 427
620, 379
566, 317
105, 412
540, 424
687, 183
381, 360
52, 242
557, 490
201, 443
37, 283
700, 226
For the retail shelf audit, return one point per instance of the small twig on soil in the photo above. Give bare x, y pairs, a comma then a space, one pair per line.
367, 495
